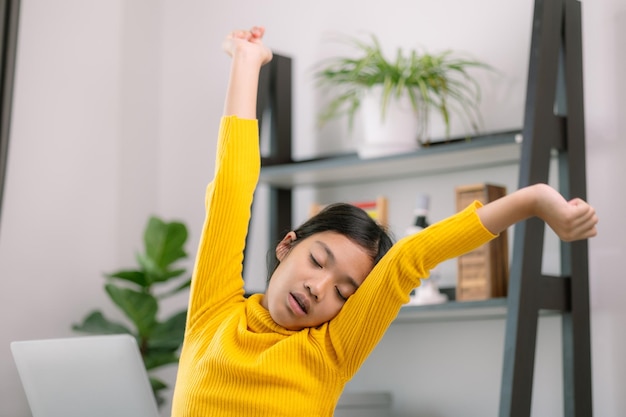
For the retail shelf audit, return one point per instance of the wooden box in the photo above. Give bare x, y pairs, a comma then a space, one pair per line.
484, 272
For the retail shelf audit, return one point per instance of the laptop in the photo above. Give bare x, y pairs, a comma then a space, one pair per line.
95, 376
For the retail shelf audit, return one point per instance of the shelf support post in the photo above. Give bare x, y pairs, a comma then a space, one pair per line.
274, 107
576, 324
554, 119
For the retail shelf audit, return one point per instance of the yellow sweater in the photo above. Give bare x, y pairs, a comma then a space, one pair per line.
235, 360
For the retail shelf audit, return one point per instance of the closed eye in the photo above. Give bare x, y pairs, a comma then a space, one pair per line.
314, 261
340, 295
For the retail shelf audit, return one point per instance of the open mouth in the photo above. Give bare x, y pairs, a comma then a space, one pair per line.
299, 303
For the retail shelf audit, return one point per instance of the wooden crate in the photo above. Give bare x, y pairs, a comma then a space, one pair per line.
484, 272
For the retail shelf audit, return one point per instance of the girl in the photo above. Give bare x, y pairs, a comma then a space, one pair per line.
338, 285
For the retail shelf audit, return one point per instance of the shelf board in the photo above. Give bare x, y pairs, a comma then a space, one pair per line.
493, 308
482, 151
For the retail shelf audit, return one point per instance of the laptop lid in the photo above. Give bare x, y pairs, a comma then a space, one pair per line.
95, 376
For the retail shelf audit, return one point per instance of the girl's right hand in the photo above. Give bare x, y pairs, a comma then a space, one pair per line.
571, 220
249, 44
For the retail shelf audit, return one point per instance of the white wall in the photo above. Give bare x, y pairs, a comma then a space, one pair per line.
60, 216
604, 42
82, 173
116, 107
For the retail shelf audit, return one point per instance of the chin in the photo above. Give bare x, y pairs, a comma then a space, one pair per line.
290, 326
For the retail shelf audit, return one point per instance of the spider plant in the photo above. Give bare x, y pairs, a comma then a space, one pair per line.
438, 82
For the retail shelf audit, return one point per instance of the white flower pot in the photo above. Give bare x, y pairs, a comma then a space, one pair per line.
397, 133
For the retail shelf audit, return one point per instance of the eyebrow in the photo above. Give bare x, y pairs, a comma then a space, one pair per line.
332, 259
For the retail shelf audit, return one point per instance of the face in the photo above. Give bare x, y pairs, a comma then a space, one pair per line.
314, 279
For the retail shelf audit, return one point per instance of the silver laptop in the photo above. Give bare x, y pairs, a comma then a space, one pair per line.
95, 376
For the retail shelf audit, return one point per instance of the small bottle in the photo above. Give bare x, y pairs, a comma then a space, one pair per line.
428, 291
420, 213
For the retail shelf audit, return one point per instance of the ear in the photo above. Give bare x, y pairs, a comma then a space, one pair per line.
285, 245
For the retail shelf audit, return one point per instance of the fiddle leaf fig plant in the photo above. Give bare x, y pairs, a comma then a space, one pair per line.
138, 292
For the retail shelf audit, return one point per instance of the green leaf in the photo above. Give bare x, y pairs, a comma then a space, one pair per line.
150, 268
158, 386
165, 242
141, 308
96, 323
134, 276
168, 275
176, 290
154, 359
169, 334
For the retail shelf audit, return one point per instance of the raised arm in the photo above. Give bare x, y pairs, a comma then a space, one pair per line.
570, 220
248, 56
369, 312
217, 280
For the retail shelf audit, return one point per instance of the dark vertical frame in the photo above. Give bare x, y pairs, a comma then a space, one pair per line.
553, 120
9, 17
274, 94
274, 107
576, 322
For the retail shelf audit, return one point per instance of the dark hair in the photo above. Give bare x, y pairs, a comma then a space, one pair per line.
350, 221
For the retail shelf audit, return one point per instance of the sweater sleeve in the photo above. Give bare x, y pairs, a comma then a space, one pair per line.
217, 277
368, 313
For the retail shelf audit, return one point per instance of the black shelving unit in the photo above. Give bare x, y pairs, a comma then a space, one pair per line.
553, 128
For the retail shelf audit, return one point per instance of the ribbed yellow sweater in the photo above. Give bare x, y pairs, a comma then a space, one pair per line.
235, 360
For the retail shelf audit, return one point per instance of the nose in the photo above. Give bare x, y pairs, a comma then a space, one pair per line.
319, 286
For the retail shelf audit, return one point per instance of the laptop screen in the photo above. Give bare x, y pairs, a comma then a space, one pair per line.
96, 376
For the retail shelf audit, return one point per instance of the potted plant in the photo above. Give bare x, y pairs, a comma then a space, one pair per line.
421, 82
134, 292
